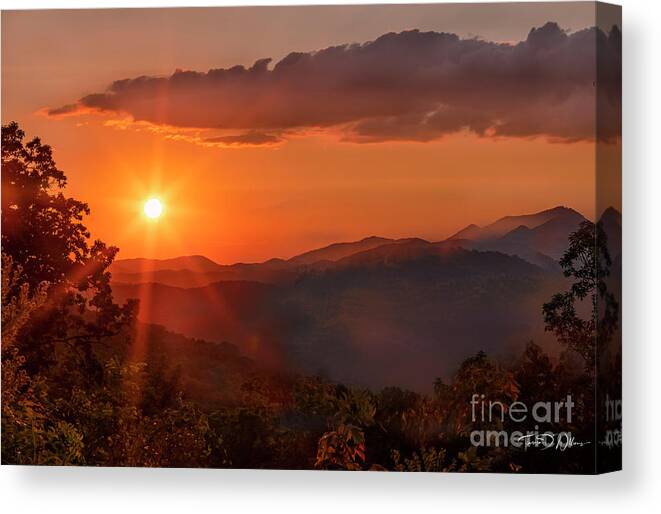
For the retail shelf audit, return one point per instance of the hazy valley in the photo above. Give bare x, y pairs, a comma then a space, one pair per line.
374, 312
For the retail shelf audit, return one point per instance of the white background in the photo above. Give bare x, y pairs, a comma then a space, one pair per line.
636, 489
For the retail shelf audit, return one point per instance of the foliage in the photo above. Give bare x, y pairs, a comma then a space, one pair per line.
428, 459
43, 232
30, 435
342, 448
587, 262
477, 375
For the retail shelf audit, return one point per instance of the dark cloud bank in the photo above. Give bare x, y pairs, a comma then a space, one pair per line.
410, 86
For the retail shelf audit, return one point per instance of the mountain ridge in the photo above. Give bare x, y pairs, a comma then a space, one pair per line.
353, 320
503, 225
540, 238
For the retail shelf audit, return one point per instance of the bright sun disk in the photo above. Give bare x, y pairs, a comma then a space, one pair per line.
153, 208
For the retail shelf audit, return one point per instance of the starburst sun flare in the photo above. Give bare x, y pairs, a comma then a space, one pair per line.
153, 208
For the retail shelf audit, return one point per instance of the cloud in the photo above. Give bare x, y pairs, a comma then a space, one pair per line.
246, 139
198, 136
408, 86
65, 110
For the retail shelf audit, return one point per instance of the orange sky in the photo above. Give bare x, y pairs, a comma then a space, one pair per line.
254, 203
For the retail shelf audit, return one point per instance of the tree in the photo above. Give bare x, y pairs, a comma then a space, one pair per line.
587, 263
535, 375
477, 375
44, 234
30, 435
344, 447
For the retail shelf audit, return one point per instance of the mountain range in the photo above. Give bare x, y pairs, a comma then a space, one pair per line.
373, 312
539, 238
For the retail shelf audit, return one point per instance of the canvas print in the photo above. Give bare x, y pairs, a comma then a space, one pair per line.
367, 238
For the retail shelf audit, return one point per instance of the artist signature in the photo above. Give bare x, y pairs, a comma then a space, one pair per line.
562, 441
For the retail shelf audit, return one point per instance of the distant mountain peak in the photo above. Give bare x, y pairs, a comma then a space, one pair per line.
507, 224
143, 265
374, 238
559, 208
519, 229
337, 251
530, 236
611, 213
467, 232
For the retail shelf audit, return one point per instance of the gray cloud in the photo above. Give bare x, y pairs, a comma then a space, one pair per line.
412, 85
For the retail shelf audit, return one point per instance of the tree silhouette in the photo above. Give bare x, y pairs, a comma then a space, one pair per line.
587, 262
44, 234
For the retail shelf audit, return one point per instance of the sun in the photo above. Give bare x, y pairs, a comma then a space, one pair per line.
153, 208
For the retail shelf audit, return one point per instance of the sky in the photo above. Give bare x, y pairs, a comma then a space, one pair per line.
399, 134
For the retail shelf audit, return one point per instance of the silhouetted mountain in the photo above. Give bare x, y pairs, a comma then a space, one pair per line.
539, 238
402, 315
273, 271
471, 232
188, 278
196, 263
508, 223
549, 238
399, 251
372, 312
200, 273
337, 251
396, 314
